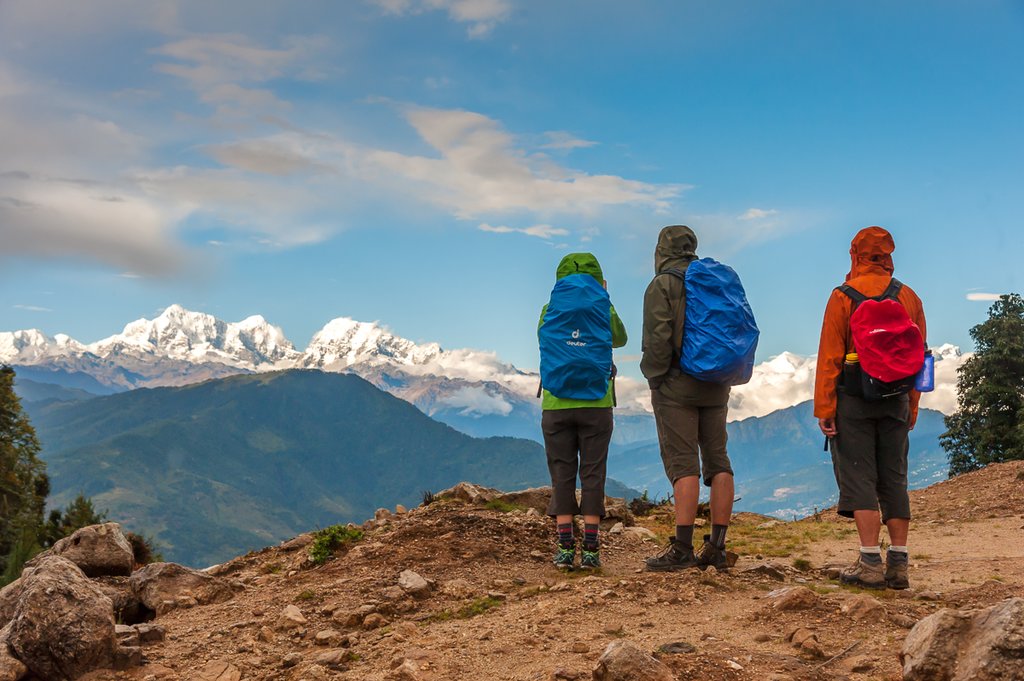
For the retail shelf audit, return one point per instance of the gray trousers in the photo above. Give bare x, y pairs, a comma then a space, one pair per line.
576, 441
869, 456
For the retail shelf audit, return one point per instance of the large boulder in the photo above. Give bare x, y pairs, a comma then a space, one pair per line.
9, 596
625, 661
468, 492
63, 625
161, 587
962, 645
97, 549
11, 668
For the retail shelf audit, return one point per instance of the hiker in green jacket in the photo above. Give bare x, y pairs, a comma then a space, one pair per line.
577, 432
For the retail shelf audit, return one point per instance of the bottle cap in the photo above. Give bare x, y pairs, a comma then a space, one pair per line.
852, 357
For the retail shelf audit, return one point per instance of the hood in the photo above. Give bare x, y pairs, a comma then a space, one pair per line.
677, 244
871, 253
580, 263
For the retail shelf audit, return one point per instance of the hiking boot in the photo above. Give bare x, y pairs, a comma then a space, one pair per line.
675, 556
711, 555
565, 556
865, 573
896, 570
590, 559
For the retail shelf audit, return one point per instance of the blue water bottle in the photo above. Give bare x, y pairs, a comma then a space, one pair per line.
925, 381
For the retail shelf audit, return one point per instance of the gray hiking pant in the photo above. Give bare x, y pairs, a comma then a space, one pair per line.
869, 455
576, 440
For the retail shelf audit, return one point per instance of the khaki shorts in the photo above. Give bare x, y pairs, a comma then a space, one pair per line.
692, 439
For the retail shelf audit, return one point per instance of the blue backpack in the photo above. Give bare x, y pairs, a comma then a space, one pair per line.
576, 339
719, 331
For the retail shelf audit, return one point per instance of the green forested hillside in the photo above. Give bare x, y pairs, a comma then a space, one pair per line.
218, 468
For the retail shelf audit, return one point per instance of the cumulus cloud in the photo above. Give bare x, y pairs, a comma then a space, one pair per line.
481, 170
476, 401
983, 297
562, 140
224, 69
481, 15
758, 214
540, 231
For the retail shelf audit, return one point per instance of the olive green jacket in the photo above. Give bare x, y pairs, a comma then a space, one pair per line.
664, 313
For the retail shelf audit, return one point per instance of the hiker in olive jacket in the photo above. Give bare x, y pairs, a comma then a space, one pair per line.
576, 438
690, 414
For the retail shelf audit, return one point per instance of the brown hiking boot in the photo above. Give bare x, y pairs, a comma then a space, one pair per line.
896, 570
865, 572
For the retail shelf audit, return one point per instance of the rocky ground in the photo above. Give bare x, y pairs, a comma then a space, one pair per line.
456, 590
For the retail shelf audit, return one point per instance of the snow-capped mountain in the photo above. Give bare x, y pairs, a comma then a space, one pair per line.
200, 338
456, 386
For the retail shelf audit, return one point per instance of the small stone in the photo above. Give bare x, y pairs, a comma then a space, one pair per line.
411, 583
291, 618
373, 621
762, 638
677, 648
733, 664
151, 633
862, 607
861, 664
625, 661
291, 659
617, 528
580, 647
793, 598
126, 635
400, 510
218, 670
336, 658
928, 596
565, 675
266, 634
326, 637
901, 620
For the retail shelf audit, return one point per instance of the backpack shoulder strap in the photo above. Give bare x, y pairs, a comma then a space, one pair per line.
853, 293
892, 291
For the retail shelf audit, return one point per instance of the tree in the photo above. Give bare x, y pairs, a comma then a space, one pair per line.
23, 482
78, 514
988, 425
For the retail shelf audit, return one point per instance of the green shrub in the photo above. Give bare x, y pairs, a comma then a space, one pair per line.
330, 539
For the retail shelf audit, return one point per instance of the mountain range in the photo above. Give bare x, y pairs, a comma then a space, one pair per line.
229, 465
472, 390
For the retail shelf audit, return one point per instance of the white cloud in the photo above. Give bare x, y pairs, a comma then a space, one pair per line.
224, 68
476, 401
481, 15
482, 171
539, 231
986, 297
758, 214
32, 308
564, 140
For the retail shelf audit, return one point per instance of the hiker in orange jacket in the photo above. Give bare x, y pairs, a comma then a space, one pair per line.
869, 439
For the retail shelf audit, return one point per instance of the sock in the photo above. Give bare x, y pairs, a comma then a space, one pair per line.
590, 540
718, 536
898, 554
871, 554
565, 535
684, 535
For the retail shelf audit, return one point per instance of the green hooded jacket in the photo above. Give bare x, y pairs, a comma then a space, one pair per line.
664, 312
575, 263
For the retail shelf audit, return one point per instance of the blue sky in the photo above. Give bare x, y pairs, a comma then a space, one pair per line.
426, 163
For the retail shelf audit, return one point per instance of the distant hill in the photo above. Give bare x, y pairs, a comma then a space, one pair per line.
33, 391
218, 468
781, 468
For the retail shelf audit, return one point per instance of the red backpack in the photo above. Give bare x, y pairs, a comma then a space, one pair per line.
889, 346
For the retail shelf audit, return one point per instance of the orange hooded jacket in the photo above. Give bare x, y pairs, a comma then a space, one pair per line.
871, 270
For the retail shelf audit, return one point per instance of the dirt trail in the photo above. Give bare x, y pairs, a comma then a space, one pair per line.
498, 610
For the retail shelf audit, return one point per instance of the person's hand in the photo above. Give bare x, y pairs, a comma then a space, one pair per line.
913, 421
828, 427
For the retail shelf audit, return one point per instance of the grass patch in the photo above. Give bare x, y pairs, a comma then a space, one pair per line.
330, 539
471, 609
504, 506
922, 556
784, 539
272, 568
802, 564
307, 595
428, 498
